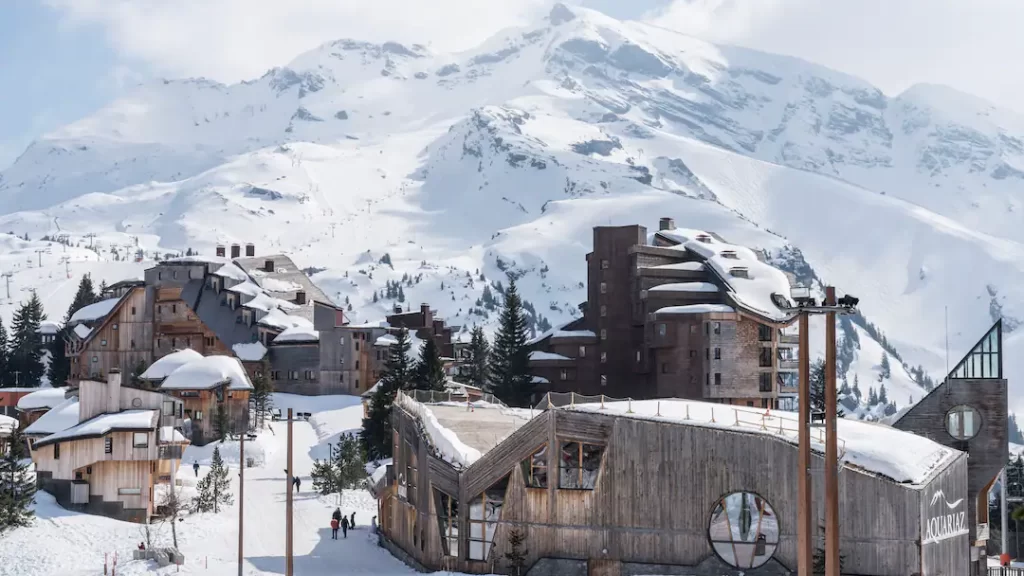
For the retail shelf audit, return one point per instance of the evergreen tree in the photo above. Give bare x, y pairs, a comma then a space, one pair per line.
6, 375
397, 375
872, 397
1015, 434
220, 483
429, 371
221, 424
885, 372
516, 555
17, 487
86, 295
856, 386
375, 296
137, 372
103, 288
509, 360
26, 357
401, 294
883, 397
479, 350
261, 399
344, 470
59, 369
817, 386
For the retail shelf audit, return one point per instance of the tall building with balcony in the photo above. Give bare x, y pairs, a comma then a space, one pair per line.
675, 314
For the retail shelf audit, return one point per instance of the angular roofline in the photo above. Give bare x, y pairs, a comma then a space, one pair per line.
110, 315
113, 428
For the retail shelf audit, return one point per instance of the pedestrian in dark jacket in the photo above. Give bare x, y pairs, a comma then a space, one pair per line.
352, 522
337, 514
334, 528
297, 482
344, 526
195, 467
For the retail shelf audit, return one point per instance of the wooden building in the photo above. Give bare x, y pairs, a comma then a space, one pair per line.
675, 314
206, 385
121, 447
659, 487
969, 412
39, 401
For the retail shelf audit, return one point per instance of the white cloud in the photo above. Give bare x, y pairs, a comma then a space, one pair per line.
232, 40
973, 46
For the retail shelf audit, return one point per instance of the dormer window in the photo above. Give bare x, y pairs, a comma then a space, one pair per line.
730, 254
704, 238
739, 272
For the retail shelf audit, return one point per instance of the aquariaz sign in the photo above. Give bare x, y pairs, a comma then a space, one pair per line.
945, 519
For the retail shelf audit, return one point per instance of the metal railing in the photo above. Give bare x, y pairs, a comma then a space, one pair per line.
435, 397
559, 399
1005, 571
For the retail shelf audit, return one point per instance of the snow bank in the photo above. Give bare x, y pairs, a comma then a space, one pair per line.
684, 287
278, 285
696, 309
44, 398
163, 367
445, 442
208, 372
298, 334
232, 272
95, 311
541, 355
902, 456
60, 417
259, 450
250, 351
104, 423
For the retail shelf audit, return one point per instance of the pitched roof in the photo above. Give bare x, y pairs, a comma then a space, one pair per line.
286, 278
43, 398
103, 424
163, 367
94, 311
60, 417
208, 372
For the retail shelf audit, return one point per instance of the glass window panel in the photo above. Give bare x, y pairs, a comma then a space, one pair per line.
744, 530
963, 422
984, 360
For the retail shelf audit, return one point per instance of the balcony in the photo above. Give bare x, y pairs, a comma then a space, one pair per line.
170, 451
789, 365
785, 338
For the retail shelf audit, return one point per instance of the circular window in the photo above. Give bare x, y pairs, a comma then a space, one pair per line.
136, 402
963, 422
744, 530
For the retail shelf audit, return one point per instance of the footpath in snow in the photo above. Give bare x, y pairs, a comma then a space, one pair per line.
64, 543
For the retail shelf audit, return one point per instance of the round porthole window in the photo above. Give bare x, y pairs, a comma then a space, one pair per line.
136, 402
744, 530
963, 422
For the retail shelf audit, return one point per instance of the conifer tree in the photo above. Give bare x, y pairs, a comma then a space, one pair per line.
856, 386
17, 488
261, 399
83, 297
509, 359
6, 374
885, 372
397, 375
214, 489
818, 383
26, 358
221, 424
475, 373
883, 397
344, 470
429, 371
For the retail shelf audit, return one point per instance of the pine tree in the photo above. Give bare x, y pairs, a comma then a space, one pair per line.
509, 360
429, 371
344, 470
26, 357
220, 484
86, 295
59, 369
516, 556
818, 383
883, 397
103, 288
221, 423
885, 372
375, 296
401, 294
479, 350
261, 398
856, 386
6, 375
17, 488
397, 375
872, 397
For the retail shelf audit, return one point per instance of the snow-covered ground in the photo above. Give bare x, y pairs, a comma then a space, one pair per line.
63, 543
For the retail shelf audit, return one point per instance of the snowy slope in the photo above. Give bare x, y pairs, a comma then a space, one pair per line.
458, 167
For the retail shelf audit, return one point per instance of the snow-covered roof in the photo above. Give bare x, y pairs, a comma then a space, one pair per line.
246, 288
163, 367
685, 287
94, 311
573, 334
208, 372
82, 331
197, 259
265, 303
249, 351
42, 399
541, 355
48, 327
690, 266
541, 380
696, 309
232, 272
385, 340
170, 434
278, 285
282, 321
379, 472
901, 456
297, 334
60, 417
104, 424
7, 424
759, 282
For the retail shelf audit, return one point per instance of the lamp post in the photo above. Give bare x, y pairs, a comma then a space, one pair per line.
807, 305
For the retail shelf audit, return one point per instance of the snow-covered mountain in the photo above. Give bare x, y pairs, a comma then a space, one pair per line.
373, 163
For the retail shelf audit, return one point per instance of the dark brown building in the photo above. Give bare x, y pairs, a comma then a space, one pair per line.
424, 323
679, 313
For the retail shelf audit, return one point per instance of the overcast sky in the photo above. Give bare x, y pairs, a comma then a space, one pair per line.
62, 59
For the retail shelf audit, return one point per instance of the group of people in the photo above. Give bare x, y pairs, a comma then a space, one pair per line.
342, 521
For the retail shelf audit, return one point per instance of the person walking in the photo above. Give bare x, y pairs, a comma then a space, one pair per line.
344, 526
373, 525
195, 467
298, 483
334, 528
352, 522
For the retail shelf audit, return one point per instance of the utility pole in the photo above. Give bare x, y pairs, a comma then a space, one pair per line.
831, 443
333, 224
90, 236
39, 252
241, 497
67, 265
805, 538
289, 569
7, 276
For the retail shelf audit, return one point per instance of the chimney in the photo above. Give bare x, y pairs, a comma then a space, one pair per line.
113, 391
221, 251
300, 297
250, 250
397, 309
236, 250
425, 310
666, 224
268, 266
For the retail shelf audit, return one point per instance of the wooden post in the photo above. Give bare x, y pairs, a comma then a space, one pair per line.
288, 564
831, 444
241, 496
805, 537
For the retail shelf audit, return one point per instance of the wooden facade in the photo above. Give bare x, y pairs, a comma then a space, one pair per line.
649, 509
201, 407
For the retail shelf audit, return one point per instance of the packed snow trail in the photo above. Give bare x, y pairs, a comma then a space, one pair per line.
65, 543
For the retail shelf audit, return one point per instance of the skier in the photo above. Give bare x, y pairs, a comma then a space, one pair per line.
352, 522
344, 526
334, 528
195, 467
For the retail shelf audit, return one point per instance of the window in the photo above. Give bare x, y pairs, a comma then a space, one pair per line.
744, 530
484, 514
604, 264
718, 379
447, 522
357, 364
764, 333
963, 422
716, 327
208, 340
718, 353
174, 308
95, 359
114, 327
985, 360
693, 353
342, 340
604, 310
357, 345
583, 351
604, 287
535, 468
140, 440
707, 379
604, 334
707, 353
108, 445
168, 408
579, 465
219, 393
604, 357
310, 375
198, 415
132, 344
174, 274
604, 380
662, 329
664, 367
764, 359
564, 375
133, 310
56, 451
765, 382
103, 342
411, 474
293, 374
707, 327
638, 356
174, 342
129, 491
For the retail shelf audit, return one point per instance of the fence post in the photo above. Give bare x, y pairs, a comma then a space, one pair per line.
572, 399
602, 401
659, 409
629, 408
737, 414
712, 414
687, 410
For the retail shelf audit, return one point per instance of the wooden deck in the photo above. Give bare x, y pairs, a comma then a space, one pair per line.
481, 428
